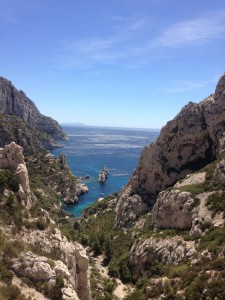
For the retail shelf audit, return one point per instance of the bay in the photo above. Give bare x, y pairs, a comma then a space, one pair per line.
91, 148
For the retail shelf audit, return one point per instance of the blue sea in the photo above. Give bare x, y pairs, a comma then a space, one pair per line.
90, 148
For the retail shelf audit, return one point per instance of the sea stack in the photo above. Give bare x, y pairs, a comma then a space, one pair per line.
103, 175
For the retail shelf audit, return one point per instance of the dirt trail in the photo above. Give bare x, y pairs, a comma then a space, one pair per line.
122, 290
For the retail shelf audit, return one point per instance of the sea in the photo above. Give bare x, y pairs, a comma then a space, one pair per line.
90, 148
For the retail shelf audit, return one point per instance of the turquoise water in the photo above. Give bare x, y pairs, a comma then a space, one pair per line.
90, 148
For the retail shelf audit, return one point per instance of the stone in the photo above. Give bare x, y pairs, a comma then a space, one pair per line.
173, 209
69, 294
33, 266
11, 156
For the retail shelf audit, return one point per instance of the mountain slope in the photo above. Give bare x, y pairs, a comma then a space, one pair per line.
16, 105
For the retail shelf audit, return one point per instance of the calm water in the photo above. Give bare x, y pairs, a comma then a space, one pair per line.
90, 148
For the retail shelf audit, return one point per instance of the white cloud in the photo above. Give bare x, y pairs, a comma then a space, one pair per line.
193, 32
135, 44
107, 50
191, 85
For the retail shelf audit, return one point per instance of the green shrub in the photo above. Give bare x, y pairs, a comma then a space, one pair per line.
216, 202
41, 223
216, 289
5, 274
194, 189
213, 240
14, 184
54, 292
137, 295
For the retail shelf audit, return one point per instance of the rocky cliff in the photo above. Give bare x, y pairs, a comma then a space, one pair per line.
15, 107
194, 138
33, 250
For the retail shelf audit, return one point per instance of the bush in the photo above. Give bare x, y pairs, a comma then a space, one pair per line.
5, 274
14, 184
216, 202
41, 224
54, 292
8, 179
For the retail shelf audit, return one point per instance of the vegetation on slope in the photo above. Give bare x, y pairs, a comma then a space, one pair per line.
202, 277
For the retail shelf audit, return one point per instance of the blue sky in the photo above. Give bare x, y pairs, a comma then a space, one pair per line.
125, 63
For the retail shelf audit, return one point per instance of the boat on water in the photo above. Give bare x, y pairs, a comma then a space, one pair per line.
102, 176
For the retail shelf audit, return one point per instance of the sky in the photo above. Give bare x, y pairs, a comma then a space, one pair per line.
120, 63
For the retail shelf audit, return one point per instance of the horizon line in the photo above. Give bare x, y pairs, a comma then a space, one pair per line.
107, 126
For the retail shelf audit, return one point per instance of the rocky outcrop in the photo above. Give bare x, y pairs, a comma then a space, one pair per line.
179, 209
40, 268
169, 251
173, 209
73, 192
16, 103
11, 156
219, 172
60, 177
102, 176
194, 138
129, 207
72, 260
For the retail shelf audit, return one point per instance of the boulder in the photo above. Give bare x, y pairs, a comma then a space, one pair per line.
33, 267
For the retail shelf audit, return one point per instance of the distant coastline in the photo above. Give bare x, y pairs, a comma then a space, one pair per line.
73, 124
109, 127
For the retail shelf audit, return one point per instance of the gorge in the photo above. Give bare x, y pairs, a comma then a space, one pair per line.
162, 235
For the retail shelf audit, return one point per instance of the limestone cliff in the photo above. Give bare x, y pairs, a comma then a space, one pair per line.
194, 138
30, 217
16, 105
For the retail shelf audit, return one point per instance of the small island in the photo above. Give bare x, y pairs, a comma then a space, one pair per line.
103, 175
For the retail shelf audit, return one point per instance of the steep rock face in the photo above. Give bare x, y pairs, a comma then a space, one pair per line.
16, 103
192, 139
11, 156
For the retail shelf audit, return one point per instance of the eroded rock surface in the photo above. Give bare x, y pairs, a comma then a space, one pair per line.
72, 255
11, 156
173, 209
168, 251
